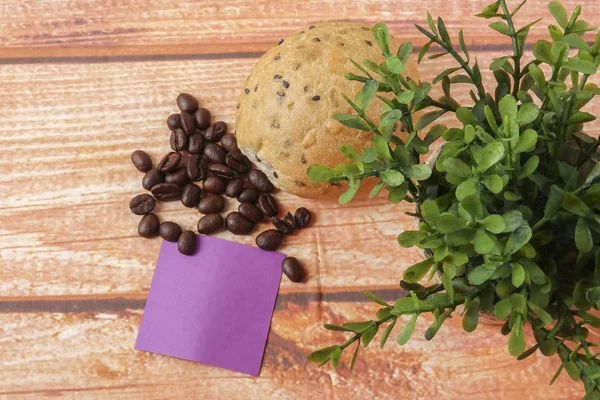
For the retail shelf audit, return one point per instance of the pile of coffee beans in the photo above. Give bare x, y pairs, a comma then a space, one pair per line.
204, 168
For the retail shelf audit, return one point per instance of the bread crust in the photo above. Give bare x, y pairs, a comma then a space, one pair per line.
284, 120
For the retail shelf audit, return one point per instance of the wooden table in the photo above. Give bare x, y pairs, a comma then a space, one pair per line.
83, 84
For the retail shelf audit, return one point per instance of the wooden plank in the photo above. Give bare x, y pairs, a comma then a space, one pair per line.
67, 179
90, 355
166, 27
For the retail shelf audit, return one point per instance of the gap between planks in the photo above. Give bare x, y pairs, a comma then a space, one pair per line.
121, 302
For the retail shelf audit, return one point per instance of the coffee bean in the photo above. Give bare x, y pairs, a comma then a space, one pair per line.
190, 196
196, 144
187, 243
186, 102
234, 187
178, 140
174, 122
237, 161
179, 177
148, 226
202, 117
251, 212
302, 217
142, 204
287, 225
214, 185
141, 161
248, 195
211, 204
197, 168
210, 223
169, 231
187, 123
167, 191
214, 153
292, 268
229, 142
259, 180
152, 178
237, 224
169, 162
269, 240
220, 170
268, 205
215, 132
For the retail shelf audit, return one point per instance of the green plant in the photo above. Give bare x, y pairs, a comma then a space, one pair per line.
509, 213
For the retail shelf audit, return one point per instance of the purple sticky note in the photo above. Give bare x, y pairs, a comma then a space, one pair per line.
214, 307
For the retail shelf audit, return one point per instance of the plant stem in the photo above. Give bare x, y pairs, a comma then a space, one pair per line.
447, 107
464, 65
517, 57
358, 335
569, 109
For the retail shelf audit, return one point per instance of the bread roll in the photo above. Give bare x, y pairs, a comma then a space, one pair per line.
284, 120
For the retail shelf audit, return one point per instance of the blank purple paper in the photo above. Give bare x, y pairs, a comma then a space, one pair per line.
214, 307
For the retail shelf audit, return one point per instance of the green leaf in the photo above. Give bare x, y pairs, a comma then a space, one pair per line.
500, 27
349, 193
331, 327
394, 65
535, 272
411, 238
449, 223
352, 121
591, 371
457, 167
574, 40
538, 76
355, 355
466, 116
366, 94
407, 330
417, 271
350, 153
559, 13
593, 296
434, 134
492, 153
373, 297
397, 194
512, 220
443, 32
368, 155
405, 97
461, 237
541, 313
530, 166
583, 236
471, 316
467, 188
382, 148
503, 308
527, 113
423, 51
463, 46
490, 11
519, 238
428, 118
493, 183
473, 206
419, 172
386, 333
554, 202
369, 334
322, 355
508, 107
376, 189
482, 242
335, 357
382, 37
391, 177
358, 327
580, 117
517, 275
320, 173
576, 206
541, 50
444, 74
483, 272
592, 176
526, 142
559, 52
404, 51
573, 371
456, 258
498, 63
583, 66
516, 341
494, 223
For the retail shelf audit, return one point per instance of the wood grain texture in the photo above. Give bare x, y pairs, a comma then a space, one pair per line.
82, 85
